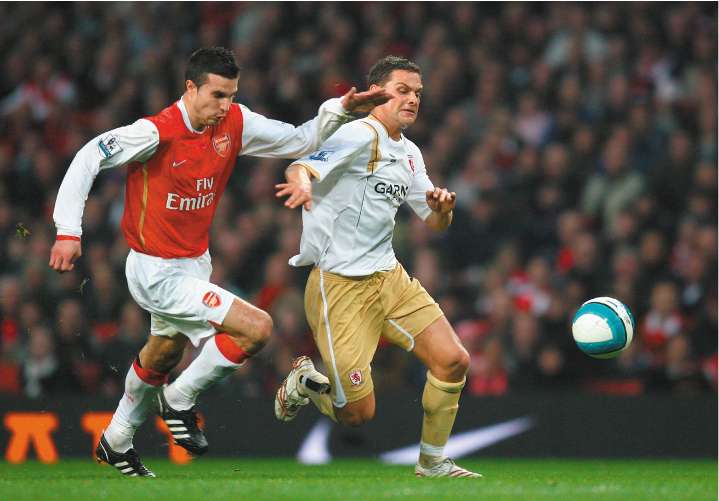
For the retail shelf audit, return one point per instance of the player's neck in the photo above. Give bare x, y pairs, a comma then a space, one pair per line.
194, 119
394, 132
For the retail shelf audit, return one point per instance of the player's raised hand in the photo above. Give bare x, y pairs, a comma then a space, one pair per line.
363, 102
440, 200
63, 255
299, 193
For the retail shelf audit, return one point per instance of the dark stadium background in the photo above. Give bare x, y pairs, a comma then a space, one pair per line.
581, 140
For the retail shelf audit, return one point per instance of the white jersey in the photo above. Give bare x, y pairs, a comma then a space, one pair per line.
363, 176
261, 137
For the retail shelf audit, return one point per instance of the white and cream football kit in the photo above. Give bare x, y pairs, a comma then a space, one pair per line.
358, 291
176, 176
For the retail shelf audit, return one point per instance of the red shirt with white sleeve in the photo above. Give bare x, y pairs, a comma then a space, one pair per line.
176, 174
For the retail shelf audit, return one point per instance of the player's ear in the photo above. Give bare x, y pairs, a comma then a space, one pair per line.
190, 87
374, 87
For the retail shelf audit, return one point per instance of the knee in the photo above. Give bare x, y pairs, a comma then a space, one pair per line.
263, 329
455, 367
255, 333
355, 417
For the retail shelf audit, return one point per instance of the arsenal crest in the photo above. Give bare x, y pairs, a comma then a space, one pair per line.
222, 144
211, 300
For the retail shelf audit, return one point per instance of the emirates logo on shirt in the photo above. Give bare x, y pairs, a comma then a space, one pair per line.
222, 144
211, 300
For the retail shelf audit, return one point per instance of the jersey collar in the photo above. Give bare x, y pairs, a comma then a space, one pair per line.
186, 118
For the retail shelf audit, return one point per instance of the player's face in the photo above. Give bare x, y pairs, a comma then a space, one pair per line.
405, 87
211, 101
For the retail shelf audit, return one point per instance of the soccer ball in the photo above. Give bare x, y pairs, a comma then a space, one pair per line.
603, 327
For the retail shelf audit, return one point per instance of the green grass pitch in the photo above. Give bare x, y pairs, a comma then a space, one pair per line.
283, 479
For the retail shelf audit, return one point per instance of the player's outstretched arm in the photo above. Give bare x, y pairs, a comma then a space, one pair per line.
442, 203
263, 137
298, 187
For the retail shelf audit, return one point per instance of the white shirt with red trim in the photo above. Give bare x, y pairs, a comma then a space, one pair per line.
362, 176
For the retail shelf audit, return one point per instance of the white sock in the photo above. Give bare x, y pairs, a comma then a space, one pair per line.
209, 367
134, 407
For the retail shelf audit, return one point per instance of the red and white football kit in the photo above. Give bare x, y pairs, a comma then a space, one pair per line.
175, 178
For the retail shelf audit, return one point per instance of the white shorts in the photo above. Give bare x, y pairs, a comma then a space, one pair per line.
178, 294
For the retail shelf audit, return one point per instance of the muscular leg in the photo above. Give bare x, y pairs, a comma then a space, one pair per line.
439, 348
144, 379
441, 351
244, 332
248, 326
161, 354
356, 413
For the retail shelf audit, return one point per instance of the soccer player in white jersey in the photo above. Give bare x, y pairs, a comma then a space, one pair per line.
350, 189
178, 163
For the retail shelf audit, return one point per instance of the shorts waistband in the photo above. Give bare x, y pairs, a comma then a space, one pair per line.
359, 278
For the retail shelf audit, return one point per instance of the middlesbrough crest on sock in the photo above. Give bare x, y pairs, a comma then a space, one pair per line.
356, 377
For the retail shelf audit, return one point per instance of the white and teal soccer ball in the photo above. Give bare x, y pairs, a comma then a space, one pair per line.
603, 327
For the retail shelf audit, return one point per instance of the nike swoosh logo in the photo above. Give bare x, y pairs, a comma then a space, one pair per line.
465, 443
177, 164
315, 447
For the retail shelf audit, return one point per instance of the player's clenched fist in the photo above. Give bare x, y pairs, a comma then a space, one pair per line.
63, 255
440, 200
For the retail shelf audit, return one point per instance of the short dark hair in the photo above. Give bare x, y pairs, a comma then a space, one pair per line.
215, 60
382, 69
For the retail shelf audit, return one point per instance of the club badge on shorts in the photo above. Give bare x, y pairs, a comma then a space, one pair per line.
211, 300
356, 377
222, 144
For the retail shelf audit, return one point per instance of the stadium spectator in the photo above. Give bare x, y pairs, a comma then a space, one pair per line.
634, 82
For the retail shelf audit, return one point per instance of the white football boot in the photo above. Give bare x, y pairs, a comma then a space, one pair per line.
289, 398
445, 468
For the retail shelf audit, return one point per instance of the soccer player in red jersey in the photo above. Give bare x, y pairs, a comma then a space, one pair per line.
178, 163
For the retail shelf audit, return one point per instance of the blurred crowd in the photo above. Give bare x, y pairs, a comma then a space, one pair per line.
581, 140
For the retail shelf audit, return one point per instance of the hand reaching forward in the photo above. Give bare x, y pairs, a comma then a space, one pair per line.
363, 102
440, 200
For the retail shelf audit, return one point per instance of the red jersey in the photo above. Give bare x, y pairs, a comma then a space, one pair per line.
171, 198
176, 176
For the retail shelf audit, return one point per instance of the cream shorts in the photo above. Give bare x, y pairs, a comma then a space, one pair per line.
348, 315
